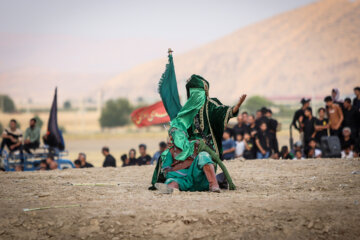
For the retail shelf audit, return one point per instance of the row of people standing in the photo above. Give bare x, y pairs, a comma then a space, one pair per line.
252, 137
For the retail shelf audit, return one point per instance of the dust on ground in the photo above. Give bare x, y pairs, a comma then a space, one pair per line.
275, 199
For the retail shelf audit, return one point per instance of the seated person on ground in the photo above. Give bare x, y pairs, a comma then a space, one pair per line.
84, 163
285, 154
77, 163
132, 157
347, 153
312, 151
43, 165
298, 155
228, 145
144, 158
162, 148
32, 136
51, 163
249, 151
262, 141
12, 137
125, 160
109, 159
346, 139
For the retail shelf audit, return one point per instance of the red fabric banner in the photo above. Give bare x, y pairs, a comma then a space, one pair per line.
150, 115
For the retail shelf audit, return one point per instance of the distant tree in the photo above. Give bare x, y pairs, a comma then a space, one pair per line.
256, 102
7, 104
39, 122
67, 105
1, 128
116, 113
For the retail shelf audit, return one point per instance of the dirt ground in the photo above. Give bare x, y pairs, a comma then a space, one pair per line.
275, 199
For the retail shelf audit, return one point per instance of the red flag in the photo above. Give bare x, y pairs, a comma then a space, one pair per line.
150, 115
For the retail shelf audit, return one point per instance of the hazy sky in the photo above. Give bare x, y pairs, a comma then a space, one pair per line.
110, 36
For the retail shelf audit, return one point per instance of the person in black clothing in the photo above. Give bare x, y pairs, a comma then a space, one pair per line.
245, 117
109, 160
308, 126
240, 128
263, 118
125, 160
346, 139
299, 116
284, 154
144, 158
77, 163
321, 125
350, 117
252, 126
132, 157
84, 163
272, 127
250, 150
262, 141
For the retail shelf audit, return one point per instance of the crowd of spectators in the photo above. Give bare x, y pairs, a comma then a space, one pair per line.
253, 137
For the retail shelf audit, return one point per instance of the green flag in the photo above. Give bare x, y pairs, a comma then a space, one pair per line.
168, 89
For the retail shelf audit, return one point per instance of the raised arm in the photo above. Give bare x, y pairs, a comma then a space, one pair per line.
237, 106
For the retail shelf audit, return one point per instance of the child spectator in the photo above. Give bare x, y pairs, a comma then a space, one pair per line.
347, 153
308, 126
298, 155
132, 157
228, 145
313, 152
262, 141
249, 151
240, 146
284, 154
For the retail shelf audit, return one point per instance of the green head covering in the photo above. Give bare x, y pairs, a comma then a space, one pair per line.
196, 81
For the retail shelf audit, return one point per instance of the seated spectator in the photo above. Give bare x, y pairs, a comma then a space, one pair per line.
84, 163
308, 126
321, 125
144, 158
350, 118
132, 157
12, 137
109, 159
262, 141
347, 140
240, 127
249, 151
19, 168
125, 160
335, 116
77, 163
32, 136
313, 152
298, 155
347, 153
228, 145
43, 165
285, 154
51, 163
297, 147
240, 146
162, 148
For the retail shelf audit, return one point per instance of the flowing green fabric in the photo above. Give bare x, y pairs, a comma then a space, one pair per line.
168, 90
183, 121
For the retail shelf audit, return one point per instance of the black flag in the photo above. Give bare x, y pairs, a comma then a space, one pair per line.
53, 136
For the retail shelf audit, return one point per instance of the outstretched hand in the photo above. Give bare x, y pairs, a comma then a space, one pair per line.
241, 100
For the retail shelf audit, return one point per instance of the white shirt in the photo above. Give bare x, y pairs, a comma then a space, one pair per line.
350, 155
240, 148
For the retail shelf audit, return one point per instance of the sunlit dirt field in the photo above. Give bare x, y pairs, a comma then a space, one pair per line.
275, 199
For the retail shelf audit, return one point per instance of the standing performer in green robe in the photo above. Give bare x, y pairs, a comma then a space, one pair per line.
188, 163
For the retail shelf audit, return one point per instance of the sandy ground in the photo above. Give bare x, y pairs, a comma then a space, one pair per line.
307, 199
